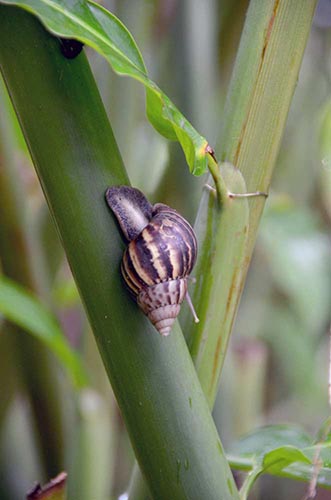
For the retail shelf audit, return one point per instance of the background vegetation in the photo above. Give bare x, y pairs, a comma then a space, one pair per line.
277, 366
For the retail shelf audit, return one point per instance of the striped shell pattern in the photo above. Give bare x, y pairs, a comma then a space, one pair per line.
160, 255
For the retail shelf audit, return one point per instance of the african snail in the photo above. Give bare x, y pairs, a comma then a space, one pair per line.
160, 255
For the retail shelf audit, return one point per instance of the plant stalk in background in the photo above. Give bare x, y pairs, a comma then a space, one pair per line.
32, 360
259, 98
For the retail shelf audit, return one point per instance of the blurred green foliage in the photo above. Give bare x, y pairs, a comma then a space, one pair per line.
280, 348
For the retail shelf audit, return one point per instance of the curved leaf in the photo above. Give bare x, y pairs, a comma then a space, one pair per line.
281, 450
93, 25
19, 306
270, 437
273, 462
276, 460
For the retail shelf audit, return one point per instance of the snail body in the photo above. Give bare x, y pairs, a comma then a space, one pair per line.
160, 255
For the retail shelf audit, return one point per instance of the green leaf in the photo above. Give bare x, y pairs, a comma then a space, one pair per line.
281, 450
19, 306
270, 437
93, 25
276, 460
273, 462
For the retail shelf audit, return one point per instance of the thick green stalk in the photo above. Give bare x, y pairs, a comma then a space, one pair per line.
76, 157
263, 82
262, 85
91, 449
31, 359
249, 376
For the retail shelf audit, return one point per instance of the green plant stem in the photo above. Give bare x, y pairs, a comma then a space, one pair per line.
31, 359
298, 472
222, 192
249, 372
92, 459
76, 158
248, 484
262, 85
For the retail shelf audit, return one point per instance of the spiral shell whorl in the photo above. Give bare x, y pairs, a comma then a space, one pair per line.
164, 250
161, 303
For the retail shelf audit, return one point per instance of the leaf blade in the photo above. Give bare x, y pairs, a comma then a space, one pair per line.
280, 450
20, 307
95, 26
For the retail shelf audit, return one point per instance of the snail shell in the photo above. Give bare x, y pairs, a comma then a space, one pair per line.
160, 255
